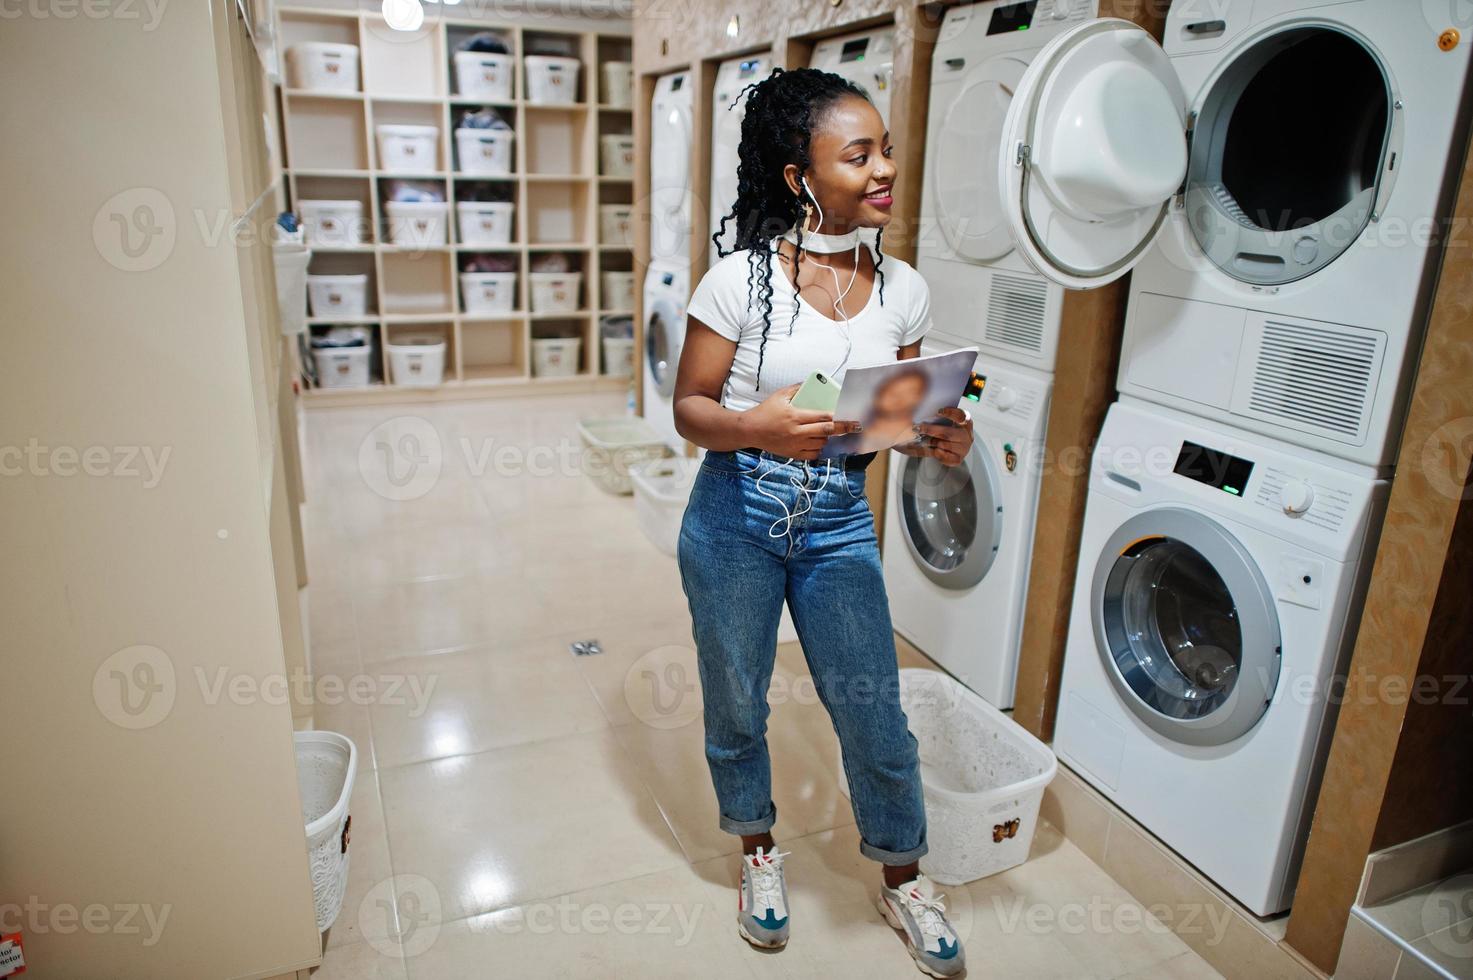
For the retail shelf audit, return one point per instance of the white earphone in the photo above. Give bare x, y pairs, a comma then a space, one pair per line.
841, 293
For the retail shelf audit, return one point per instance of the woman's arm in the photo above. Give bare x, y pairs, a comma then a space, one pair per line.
774, 425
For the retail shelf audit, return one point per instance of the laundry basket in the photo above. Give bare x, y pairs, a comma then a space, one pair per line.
983, 777
326, 766
613, 446
661, 491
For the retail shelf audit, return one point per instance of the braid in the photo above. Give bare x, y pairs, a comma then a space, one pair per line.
879, 257
781, 112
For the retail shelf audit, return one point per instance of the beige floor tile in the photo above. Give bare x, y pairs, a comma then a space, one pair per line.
448, 615
484, 698
332, 632
1185, 966
526, 822
360, 961
601, 592
647, 672
1365, 954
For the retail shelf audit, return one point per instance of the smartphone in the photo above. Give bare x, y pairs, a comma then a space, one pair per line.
819, 393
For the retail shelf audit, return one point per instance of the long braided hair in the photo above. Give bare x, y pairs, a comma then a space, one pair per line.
781, 113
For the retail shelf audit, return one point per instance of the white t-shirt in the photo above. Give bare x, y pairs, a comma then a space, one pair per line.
814, 342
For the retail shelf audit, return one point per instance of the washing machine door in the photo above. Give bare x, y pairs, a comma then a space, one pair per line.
950, 516
1094, 148
968, 202
1186, 626
664, 335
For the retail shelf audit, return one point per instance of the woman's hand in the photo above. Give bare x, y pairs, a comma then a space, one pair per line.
797, 433
947, 443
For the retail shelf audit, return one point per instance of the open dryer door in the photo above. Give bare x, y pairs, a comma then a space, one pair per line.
1094, 148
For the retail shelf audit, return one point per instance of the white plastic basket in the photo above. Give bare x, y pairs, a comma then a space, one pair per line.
338, 296
408, 149
982, 774
618, 291
485, 222
321, 66
342, 367
417, 361
483, 75
327, 765
612, 447
552, 78
616, 155
661, 491
484, 152
420, 223
332, 222
618, 357
618, 84
556, 357
488, 293
555, 292
616, 224
291, 285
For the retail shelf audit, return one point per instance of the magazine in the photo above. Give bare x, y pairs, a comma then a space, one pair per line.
889, 399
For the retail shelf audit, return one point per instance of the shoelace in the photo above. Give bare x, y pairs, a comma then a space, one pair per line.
767, 878
930, 913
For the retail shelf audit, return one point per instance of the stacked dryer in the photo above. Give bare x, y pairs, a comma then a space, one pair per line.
867, 59
1262, 175
667, 280
959, 541
727, 113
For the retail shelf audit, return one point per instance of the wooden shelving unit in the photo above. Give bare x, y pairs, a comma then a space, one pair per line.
330, 152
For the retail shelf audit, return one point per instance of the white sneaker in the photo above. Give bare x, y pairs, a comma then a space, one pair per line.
762, 903
917, 911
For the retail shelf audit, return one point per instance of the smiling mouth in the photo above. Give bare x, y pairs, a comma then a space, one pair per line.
879, 196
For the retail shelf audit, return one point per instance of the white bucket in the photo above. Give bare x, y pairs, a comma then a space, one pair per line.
982, 774
618, 84
485, 222
338, 296
327, 766
320, 66
614, 447
291, 285
342, 367
616, 224
555, 292
618, 357
486, 293
618, 291
484, 75
616, 155
408, 149
484, 152
555, 357
552, 79
417, 361
661, 491
419, 223
332, 222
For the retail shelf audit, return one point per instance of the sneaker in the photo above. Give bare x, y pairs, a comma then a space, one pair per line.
916, 910
762, 903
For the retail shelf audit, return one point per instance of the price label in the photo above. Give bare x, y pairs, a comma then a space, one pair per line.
12, 957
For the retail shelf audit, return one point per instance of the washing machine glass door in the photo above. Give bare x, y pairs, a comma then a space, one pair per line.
969, 208
1094, 147
951, 517
1186, 626
663, 338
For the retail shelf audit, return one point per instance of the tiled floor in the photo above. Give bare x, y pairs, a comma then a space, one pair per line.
520, 812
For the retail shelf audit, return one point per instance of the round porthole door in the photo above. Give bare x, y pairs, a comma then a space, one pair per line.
662, 343
951, 517
1186, 626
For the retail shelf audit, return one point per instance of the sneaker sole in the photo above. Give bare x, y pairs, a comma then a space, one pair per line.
894, 922
757, 942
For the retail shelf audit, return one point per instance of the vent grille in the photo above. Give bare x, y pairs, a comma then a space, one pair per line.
1015, 311
1315, 376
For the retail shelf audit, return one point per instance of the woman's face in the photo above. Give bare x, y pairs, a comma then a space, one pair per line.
852, 172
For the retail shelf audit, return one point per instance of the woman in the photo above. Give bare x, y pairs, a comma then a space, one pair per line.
766, 524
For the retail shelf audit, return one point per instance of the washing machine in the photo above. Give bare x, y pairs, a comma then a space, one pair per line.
1221, 575
666, 291
866, 58
670, 160
726, 136
980, 287
1271, 175
958, 540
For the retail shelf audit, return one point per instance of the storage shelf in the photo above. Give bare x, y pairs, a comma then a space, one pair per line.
307, 93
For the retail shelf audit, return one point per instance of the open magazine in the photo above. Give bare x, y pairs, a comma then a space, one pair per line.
889, 399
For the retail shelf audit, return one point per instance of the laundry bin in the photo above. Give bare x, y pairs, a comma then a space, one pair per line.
613, 446
661, 491
982, 774
327, 764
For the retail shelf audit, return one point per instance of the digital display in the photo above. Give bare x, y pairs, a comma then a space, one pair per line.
1013, 17
1227, 473
677, 83
854, 50
975, 384
746, 68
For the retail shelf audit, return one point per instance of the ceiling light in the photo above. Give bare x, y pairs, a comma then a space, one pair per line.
404, 15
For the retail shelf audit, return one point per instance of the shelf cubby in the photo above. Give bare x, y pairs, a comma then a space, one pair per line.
403, 63
416, 282
326, 133
492, 349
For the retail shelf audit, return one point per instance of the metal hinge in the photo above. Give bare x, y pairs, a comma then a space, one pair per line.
1023, 154
1179, 199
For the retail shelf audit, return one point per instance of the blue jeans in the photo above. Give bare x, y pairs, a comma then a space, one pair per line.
760, 530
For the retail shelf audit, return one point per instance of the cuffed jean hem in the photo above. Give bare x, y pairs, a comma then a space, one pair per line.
749, 828
892, 857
